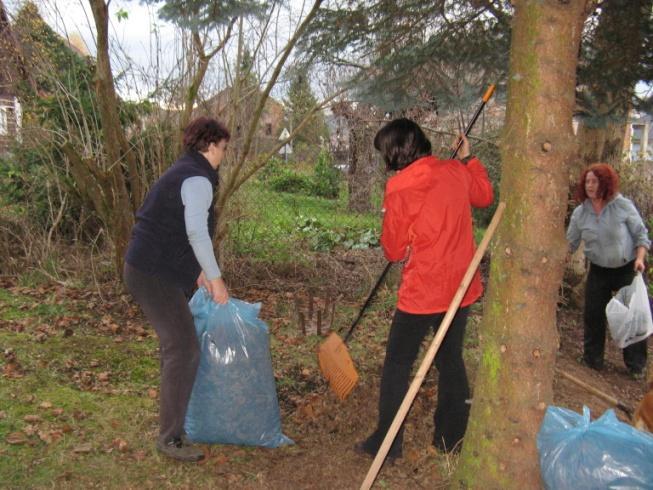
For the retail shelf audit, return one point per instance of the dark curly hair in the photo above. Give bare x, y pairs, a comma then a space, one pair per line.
401, 142
608, 181
203, 131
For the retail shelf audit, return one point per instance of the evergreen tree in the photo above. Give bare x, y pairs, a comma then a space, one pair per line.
299, 103
514, 382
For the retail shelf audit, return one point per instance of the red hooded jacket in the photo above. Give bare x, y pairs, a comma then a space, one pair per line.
428, 221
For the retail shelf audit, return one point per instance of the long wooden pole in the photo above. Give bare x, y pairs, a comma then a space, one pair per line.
432, 351
595, 391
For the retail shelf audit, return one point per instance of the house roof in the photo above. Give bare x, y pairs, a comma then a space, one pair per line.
11, 66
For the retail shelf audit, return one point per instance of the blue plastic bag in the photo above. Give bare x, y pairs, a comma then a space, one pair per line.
578, 454
234, 398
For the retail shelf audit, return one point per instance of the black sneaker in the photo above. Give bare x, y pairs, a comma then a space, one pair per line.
176, 449
362, 449
592, 364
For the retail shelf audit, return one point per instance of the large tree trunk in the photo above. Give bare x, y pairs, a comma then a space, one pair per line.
519, 337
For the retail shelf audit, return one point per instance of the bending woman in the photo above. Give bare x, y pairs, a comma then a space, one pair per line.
616, 243
169, 253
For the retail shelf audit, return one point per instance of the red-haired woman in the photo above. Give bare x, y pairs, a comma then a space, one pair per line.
616, 242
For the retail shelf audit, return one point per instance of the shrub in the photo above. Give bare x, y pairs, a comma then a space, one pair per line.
271, 169
288, 181
326, 177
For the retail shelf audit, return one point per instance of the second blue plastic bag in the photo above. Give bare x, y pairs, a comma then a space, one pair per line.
234, 399
578, 454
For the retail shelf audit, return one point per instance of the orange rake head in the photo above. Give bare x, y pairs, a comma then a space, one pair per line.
336, 366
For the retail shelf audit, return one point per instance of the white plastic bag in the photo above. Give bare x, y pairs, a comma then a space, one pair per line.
629, 314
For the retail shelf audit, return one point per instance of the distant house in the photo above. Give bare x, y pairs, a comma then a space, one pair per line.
224, 103
10, 111
638, 140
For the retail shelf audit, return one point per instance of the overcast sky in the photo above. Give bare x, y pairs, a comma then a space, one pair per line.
135, 34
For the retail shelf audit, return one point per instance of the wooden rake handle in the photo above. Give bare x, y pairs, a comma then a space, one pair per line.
595, 391
432, 351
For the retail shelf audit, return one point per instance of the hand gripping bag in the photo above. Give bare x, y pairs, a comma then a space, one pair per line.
234, 399
578, 454
629, 314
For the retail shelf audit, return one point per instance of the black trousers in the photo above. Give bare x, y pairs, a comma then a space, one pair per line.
602, 282
166, 308
406, 335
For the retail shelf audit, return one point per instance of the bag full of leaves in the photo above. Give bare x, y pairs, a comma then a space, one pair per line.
578, 453
234, 398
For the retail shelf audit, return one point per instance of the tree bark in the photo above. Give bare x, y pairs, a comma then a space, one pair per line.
116, 150
361, 166
519, 338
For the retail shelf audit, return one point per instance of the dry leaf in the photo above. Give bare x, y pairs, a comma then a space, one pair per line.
104, 377
221, 459
120, 444
139, 455
45, 436
152, 393
16, 438
32, 419
83, 448
30, 430
45, 404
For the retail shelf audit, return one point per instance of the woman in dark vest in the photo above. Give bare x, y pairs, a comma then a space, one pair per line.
171, 252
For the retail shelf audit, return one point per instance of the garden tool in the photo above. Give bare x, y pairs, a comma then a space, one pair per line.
595, 391
333, 358
432, 350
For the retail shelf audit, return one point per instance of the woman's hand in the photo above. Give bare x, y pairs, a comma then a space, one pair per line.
218, 290
639, 259
464, 150
202, 282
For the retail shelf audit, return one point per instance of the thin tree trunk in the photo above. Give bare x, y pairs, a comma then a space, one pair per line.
123, 205
361, 166
519, 336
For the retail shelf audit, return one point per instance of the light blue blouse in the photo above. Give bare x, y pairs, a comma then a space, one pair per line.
612, 237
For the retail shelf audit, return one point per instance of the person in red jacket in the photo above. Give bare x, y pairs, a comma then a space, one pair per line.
427, 224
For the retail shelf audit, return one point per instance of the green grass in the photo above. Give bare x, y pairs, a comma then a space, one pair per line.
15, 307
265, 222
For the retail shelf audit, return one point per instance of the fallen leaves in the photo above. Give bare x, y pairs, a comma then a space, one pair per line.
15, 438
84, 448
12, 368
120, 444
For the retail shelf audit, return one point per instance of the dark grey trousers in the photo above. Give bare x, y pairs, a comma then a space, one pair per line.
166, 308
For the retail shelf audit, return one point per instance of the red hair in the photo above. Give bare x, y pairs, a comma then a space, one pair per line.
608, 181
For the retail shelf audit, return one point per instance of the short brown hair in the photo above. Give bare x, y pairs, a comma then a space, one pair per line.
608, 181
203, 131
